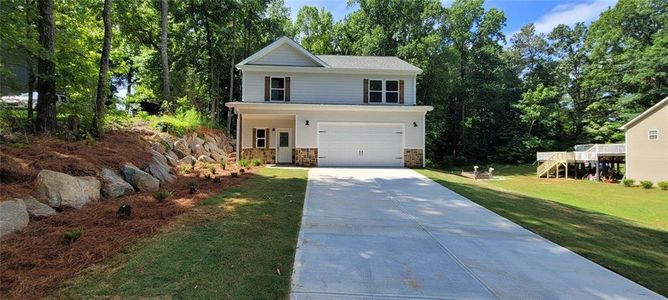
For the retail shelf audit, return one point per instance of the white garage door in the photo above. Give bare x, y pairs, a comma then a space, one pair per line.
360, 145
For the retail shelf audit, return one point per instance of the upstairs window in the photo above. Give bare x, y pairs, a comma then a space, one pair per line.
375, 91
260, 137
277, 89
391, 91
653, 134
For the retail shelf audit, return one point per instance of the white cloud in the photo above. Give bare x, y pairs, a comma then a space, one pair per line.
572, 13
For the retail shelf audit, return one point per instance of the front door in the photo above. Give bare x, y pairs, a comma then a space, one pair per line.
284, 149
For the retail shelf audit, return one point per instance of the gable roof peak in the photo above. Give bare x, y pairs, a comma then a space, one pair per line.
280, 42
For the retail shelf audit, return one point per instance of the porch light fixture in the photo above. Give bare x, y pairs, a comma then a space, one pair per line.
306, 123
414, 124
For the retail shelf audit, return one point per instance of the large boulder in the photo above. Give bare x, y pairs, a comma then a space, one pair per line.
218, 155
166, 141
13, 216
113, 184
158, 147
206, 159
228, 148
188, 160
181, 148
159, 168
139, 179
36, 208
172, 158
61, 190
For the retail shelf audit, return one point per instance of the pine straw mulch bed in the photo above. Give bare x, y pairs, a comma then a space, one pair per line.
36, 261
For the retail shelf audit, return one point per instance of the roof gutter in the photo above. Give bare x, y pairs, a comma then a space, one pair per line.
328, 107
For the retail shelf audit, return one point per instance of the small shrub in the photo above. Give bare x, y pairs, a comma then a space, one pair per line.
235, 174
211, 168
207, 176
663, 185
186, 169
244, 163
71, 236
647, 184
192, 187
242, 170
223, 163
124, 211
628, 182
257, 162
161, 196
216, 179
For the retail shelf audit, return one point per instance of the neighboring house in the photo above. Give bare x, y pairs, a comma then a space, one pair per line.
647, 144
328, 110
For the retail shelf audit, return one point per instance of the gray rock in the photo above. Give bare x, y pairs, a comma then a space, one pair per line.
139, 179
172, 158
36, 208
228, 148
13, 216
113, 184
166, 141
189, 160
159, 168
181, 148
61, 190
218, 155
159, 147
204, 158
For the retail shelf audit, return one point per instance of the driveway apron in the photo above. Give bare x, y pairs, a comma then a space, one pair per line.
395, 234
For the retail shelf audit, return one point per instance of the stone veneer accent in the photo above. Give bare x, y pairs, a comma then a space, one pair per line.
306, 157
413, 158
266, 155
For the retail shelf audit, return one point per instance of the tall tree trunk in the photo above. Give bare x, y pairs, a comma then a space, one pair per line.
163, 52
104, 69
131, 72
229, 99
46, 68
213, 92
31, 75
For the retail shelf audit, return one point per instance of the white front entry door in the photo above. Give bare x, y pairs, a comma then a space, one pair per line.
360, 145
283, 147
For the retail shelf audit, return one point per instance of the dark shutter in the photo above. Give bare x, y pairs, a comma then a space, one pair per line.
287, 89
366, 90
401, 92
266, 88
254, 138
266, 138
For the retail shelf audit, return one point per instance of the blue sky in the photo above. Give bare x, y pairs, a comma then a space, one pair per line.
545, 14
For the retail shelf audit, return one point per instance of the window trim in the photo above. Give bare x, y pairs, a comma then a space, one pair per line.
383, 91
386, 91
257, 138
278, 89
650, 134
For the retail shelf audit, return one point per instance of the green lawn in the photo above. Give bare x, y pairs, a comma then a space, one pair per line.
623, 229
237, 245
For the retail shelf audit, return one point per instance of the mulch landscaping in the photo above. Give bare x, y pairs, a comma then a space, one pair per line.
37, 260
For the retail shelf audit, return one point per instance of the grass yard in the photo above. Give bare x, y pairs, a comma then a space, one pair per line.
623, 229
239, 244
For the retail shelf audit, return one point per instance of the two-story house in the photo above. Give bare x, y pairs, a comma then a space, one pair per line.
328, 110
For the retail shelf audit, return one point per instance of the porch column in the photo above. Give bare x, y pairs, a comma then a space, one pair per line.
238, 154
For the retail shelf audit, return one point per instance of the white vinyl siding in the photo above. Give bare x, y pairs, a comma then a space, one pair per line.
286, 55
321, 88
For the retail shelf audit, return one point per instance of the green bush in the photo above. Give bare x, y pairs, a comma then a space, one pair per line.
646, 184
257, 162
192, 187
663, 185
71, 236
161, 196
244, 163
186, 169
223, 163
235, 174
180, 123
628, 182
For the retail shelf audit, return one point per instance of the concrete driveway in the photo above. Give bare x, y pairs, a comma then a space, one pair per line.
395, 234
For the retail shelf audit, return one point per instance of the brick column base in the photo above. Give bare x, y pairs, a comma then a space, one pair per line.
306, 157
413, 158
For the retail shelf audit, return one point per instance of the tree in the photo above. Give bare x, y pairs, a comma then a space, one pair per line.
29, 59
46, 83
163, 51
104, 68
314, 30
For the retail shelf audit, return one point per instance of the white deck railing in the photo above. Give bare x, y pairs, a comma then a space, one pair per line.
584, 152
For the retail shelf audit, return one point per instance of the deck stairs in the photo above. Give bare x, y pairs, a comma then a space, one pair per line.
554, 163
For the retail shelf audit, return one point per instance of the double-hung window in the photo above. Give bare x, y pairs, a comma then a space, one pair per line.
653, 134
391, 91
375, 91
260, 137
383, 91
277, 89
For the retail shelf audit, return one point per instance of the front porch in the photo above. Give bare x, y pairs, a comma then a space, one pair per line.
269, 137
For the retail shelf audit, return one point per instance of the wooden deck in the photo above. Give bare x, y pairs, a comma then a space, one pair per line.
550, 163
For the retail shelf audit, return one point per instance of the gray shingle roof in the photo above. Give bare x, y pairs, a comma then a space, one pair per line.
390, 63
